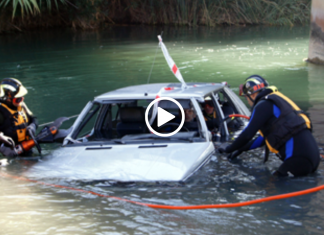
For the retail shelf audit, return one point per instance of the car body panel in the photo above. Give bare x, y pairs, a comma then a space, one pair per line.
125, 163
153, 160
149, 91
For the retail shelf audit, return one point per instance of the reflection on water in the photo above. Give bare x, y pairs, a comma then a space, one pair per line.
63, 70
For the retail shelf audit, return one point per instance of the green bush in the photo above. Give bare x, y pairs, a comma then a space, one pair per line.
28, 7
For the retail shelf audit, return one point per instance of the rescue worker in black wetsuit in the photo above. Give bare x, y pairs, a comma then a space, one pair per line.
283, 127
16, 120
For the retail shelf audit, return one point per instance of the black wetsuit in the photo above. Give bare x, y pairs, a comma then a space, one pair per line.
300, 154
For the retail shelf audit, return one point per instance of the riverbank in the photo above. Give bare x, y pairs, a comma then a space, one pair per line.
86, 15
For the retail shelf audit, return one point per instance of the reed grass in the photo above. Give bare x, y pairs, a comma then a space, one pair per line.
89, 14
28, 7
215, 12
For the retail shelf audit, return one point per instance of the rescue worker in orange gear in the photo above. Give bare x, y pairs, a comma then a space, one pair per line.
210, 113
16, 120
210, 116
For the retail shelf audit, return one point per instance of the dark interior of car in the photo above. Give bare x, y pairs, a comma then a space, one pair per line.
116, 120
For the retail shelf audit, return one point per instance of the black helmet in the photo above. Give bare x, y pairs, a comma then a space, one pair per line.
253, 84
12, 88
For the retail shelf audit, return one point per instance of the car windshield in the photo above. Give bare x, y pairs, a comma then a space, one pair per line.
123, 121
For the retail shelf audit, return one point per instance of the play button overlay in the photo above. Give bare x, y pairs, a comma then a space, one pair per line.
163, 116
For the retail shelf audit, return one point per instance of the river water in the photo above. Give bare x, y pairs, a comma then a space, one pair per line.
62, 70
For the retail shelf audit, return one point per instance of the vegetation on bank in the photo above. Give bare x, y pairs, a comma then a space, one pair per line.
23, 15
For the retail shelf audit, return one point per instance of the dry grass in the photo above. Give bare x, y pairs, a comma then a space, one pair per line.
215, 12
91, 14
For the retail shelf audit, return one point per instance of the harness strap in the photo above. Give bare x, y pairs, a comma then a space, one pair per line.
20, 127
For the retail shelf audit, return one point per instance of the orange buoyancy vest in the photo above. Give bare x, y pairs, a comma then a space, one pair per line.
208, 117
19, 122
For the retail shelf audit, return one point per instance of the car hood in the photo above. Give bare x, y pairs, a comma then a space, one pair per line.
159, 162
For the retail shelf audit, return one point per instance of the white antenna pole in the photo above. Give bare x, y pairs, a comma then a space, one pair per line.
171, 63
155, 106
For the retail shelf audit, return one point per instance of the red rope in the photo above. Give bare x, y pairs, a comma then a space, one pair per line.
193, 207
239, 115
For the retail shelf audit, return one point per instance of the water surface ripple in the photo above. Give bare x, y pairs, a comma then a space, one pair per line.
63, 70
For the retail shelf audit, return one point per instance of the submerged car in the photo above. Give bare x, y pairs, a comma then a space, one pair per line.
111, 139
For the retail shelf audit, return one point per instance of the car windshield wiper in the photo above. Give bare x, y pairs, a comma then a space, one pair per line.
184, 139
172, 138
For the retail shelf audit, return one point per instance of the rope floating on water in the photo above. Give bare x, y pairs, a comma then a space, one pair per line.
169, 207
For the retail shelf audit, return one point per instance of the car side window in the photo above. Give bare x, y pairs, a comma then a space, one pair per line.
228, 108
227, 104
212, 113
87, 124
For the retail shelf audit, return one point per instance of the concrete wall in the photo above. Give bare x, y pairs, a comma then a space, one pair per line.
316, 41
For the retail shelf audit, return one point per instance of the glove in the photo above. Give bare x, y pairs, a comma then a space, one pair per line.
4, 162
8, 152
222, 148
234, 155
7, 140
32, 128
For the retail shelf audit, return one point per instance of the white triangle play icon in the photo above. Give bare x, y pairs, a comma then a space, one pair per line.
163, 117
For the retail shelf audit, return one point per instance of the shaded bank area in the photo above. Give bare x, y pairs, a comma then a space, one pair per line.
84, 14
316, 41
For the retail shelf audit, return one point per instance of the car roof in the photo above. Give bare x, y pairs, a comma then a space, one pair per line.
173, 90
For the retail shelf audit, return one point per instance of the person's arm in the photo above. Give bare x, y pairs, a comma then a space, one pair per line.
253, 144
261, 114
32, 120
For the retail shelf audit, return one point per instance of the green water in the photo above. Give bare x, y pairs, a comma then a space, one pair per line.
63, 70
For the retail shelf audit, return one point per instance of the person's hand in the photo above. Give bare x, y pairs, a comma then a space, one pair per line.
4, 162
7, 140
32, 128
234, 155
222, 148
8, 152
